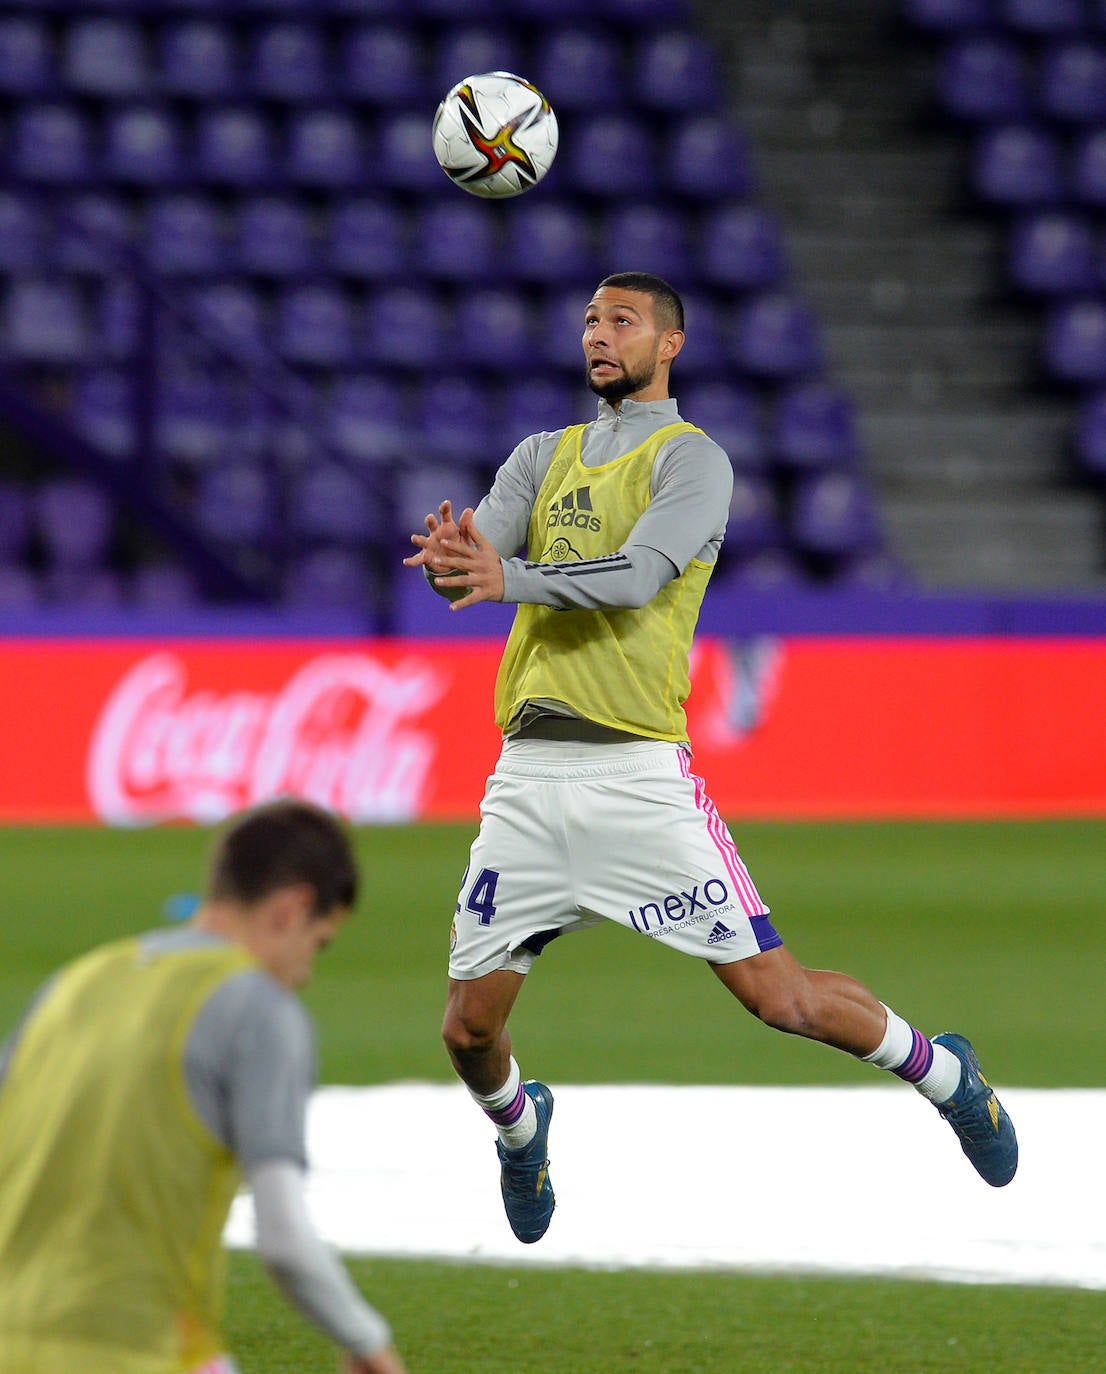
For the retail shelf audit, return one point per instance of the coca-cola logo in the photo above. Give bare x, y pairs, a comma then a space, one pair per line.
343, 732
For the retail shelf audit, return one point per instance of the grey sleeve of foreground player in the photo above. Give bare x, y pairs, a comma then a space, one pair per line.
250, 1068
308, 1272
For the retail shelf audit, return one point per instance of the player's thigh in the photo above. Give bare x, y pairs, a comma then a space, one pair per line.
516, 884
658, 859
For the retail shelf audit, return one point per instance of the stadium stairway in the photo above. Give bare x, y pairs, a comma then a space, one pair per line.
967, 451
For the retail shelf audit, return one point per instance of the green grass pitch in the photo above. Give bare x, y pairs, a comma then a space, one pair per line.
993, 928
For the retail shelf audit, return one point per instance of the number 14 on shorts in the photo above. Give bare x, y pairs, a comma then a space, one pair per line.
480, 898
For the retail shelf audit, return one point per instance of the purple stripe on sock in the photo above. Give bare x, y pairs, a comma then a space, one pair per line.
918, 1061
507, 1116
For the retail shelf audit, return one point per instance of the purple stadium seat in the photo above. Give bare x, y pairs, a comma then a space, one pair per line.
233, 146
163, 587
704, 352
984, 77
85, 588
120, 322
767, 570
743, 249
1073, 81
776, 337
20, 588
185, 236
814, 428
617, 159
15, 521
197, 58
1042, 18
105, 56
644, 14
103, 411
456, 421
1088, 171
675, 71
1075, 342
754, 519
463, 52
74, 518
420, 491
22, 232
366, 238
324, 150
497, 328
650, 238
273, 237
478, 10
142, 144
50, 143
26, 56
546, 404
382, 64
730, 414
833, 516
548, 243
365, 420
550, 11
1017, 165
192, 423
45, 321
234, 314
1053, 253
330, 504
288, 62
560, 332
235, 504
314, 326
947, 16
89, 232
331, 579
576, 67
405, 157
404, 326
1090, 436
457, 240
708, 158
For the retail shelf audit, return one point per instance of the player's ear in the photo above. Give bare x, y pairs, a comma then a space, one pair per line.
671, 344
289, 905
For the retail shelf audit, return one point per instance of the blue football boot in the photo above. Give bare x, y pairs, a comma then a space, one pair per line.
974, 1112
524, 1173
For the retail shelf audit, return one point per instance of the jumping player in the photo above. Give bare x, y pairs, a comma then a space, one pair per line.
594, 811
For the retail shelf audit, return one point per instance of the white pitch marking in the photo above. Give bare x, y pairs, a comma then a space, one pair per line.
865, 1180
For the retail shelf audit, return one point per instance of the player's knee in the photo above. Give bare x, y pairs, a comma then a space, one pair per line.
467, 1030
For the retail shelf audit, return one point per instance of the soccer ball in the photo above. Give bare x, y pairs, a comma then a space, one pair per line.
495, 135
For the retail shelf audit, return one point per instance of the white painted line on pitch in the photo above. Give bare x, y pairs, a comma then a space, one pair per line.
848, 1180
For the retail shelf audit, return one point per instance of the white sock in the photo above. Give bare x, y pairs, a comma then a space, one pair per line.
913, 1057
510, 1110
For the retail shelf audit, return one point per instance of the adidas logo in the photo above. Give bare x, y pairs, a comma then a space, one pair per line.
719, 933
574, 511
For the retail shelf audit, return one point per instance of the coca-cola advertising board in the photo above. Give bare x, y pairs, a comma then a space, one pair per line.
133, 732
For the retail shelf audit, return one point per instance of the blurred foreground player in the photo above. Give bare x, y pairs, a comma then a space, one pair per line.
144, 1080
593, 812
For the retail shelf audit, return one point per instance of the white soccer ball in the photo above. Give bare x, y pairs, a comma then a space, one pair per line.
495, 135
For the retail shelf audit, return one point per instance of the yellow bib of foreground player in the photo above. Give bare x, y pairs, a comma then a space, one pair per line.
619, 667
113, 1193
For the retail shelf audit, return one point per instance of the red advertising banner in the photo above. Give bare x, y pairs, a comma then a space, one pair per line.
133, 732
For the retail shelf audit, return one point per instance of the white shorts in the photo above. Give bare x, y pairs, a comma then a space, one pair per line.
574, 834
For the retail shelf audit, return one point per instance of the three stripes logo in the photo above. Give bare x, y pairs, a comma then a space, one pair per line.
574, 511
719, 933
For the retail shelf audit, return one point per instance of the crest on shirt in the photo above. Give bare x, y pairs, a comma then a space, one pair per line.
561, 551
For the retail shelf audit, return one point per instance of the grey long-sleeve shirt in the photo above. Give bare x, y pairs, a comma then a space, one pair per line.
691, 487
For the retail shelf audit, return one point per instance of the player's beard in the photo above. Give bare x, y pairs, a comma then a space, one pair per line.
624, 383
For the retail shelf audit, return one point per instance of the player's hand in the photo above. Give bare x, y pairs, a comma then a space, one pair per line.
473, 563
383, 1362
438, 527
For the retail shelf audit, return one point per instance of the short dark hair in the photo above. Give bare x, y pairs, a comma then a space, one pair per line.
280, 843
667, 306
